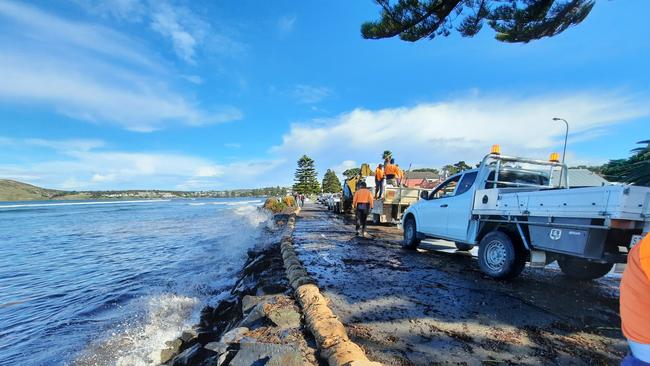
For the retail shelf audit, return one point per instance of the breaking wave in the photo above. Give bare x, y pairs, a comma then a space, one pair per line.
140, 342
129, 281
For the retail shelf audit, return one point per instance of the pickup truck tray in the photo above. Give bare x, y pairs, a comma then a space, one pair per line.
612, 201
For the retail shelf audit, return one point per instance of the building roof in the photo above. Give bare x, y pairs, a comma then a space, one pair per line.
584, 178
421, 175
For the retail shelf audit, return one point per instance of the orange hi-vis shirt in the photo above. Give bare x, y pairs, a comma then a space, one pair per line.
391, 169
379, 173
363, 195
635, 294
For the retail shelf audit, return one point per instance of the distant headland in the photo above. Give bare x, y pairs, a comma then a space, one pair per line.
11, 190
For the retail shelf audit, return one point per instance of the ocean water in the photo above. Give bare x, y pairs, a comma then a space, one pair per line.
107, 283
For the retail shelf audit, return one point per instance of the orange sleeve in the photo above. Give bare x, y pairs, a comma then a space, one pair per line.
635, 294
372, 200
354, 199
644, 255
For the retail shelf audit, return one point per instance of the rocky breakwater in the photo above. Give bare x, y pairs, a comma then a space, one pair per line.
259, 322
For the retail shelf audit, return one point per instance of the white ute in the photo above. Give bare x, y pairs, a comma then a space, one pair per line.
521, 210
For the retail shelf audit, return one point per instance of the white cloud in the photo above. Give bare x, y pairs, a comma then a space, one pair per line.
209, 171
232, 145
434, 134
308, 94
194, 79
100, 178
286, 23
86, 165
344, 165
166, 20
70, 145
187, 32
90, 73
131, 10
51, 33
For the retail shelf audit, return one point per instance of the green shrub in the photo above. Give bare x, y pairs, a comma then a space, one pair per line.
289, 201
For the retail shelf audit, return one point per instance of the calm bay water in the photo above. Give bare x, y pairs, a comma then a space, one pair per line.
109, 283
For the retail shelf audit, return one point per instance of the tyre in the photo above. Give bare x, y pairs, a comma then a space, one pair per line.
411, 240
582, 269
464, 247
499, 257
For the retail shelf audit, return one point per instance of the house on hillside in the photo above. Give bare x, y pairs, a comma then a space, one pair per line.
421, 180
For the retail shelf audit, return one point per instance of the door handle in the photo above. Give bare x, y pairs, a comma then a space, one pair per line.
445, 205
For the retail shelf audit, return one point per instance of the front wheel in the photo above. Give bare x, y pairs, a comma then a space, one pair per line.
582, 269
411, 240
499, 257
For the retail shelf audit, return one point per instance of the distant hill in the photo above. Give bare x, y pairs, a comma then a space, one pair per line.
10, 190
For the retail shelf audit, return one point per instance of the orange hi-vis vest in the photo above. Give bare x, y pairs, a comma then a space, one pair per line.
635, 293
391, 169
363, 195
379, 173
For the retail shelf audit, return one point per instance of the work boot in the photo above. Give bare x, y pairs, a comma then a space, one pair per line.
365, 234
358, 232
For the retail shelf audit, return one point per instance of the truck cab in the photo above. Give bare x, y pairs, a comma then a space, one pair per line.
520, 210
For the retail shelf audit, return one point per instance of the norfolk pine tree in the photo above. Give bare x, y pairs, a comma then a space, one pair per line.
306, 181
331, 183
513, 21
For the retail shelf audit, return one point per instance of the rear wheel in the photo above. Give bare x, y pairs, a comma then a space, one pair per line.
464, 246
411, 240
499, 257
582, 269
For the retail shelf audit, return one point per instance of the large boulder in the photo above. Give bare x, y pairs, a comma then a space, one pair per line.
195, 356
267, 354
284, 317
234, 335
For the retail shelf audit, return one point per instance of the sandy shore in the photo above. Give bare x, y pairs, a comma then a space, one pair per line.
434, 306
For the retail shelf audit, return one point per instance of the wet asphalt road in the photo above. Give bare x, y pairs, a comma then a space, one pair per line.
434, 307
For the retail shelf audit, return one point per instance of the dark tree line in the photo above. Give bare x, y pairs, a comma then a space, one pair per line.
635, 169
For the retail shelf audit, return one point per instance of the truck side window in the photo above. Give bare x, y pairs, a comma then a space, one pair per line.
445, 189
466, 183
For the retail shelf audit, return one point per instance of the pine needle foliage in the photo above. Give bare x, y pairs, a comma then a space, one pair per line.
514, 21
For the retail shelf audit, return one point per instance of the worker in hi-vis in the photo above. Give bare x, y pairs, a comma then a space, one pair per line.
635, 304
400, 175
391, 171
379, 181
362, 204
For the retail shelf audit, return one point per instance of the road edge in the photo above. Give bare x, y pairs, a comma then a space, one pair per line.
331, 337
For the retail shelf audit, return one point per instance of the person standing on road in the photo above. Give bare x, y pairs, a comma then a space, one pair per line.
635, 304
379, 181
362, 204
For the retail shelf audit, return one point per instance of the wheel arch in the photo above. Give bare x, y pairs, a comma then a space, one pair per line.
509, 229
409, 215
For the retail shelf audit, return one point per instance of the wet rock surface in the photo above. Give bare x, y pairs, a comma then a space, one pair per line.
258, 324
434, 307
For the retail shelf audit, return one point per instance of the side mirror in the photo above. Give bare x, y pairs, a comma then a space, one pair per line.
424, 195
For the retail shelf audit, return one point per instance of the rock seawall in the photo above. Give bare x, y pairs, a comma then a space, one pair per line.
259, 323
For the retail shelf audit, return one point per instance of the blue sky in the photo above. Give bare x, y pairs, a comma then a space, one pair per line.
216, 95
